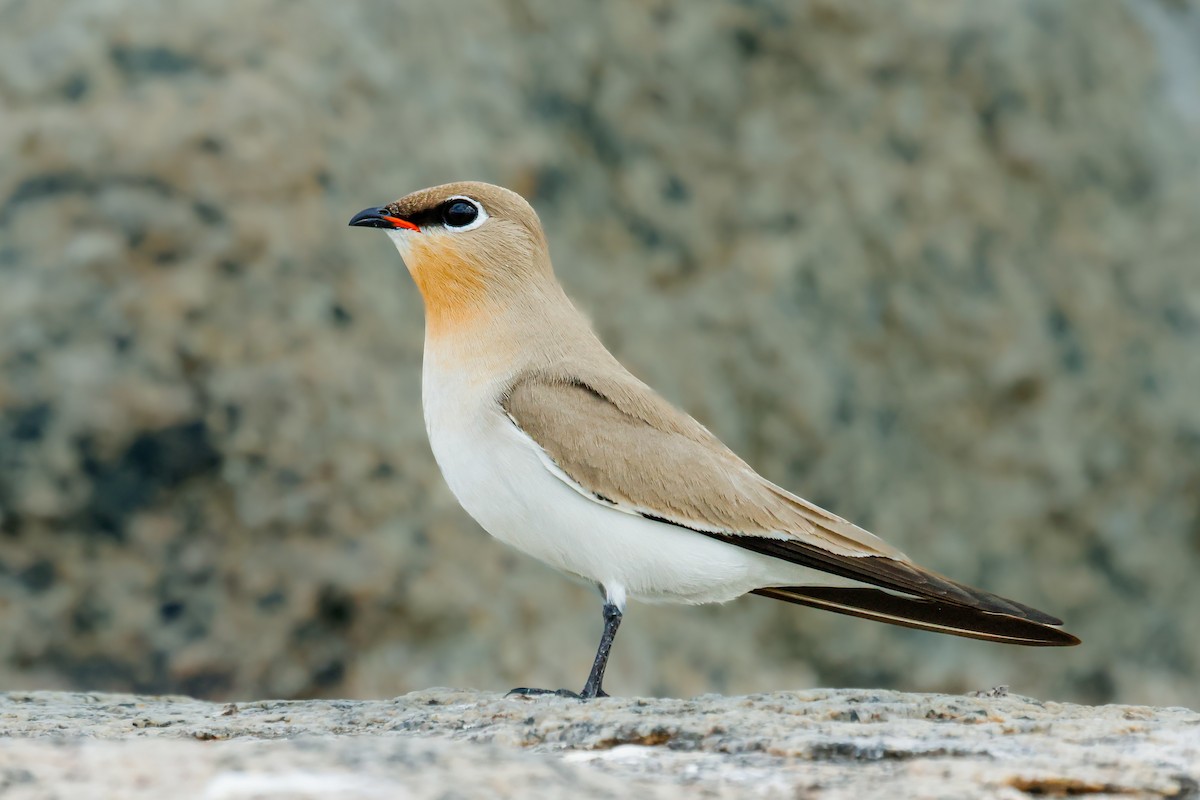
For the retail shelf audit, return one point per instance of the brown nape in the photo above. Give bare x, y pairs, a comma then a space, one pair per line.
926, 615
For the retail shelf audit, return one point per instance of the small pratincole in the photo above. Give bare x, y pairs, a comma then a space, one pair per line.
556, 449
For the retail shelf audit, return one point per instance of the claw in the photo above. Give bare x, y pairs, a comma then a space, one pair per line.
522, 691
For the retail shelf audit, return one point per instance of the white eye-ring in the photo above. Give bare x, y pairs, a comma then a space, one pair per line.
460, 214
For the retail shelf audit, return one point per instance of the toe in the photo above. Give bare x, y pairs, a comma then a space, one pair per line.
523, 691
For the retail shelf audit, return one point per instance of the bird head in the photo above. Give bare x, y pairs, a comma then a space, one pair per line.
470, 247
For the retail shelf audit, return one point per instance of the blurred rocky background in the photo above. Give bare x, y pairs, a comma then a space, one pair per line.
934, 265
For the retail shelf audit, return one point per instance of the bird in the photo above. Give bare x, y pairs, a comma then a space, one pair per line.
557, 450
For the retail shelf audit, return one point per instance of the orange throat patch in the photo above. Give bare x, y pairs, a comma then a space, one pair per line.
451, 285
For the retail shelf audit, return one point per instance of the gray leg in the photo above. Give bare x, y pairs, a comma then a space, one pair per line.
612, 621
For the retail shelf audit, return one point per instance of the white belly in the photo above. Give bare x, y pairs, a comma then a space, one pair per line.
496, 473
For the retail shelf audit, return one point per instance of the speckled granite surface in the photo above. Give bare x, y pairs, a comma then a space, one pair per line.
933, 265
450, 743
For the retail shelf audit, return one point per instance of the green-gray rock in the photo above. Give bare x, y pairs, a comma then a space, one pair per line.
931, 265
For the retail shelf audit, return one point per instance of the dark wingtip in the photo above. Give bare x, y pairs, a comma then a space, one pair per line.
1070, 640
924, 614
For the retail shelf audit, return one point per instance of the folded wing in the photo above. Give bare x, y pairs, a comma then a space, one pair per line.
618, 443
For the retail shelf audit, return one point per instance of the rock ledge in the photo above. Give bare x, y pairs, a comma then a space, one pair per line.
824, 743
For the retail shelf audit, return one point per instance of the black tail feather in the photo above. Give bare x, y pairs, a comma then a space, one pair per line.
923, 614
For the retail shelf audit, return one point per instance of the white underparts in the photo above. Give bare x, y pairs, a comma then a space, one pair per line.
508, 484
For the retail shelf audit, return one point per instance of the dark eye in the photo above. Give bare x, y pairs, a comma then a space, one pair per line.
459, 213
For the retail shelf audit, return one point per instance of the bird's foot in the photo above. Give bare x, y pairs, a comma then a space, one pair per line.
523, 691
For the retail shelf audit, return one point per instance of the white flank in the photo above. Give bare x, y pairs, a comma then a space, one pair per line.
512, 489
